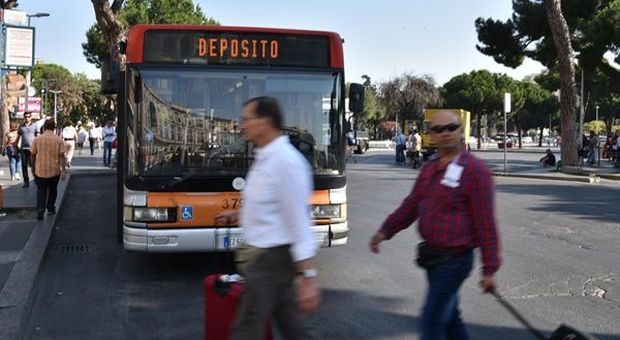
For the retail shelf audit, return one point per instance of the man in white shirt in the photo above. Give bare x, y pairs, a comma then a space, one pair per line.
69, 134
276, 222
109, 134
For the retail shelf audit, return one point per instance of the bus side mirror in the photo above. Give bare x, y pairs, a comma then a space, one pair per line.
356, 98
110, 77
137, 83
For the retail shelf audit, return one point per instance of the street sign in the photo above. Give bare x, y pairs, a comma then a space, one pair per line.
507, 102
34, 106
19, 46
13, 17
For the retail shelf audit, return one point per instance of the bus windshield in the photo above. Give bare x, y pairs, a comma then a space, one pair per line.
187, 121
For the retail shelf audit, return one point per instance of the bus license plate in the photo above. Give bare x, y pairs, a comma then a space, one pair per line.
230, 242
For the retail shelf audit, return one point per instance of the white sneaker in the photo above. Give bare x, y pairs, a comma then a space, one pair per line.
18, 177
12, 178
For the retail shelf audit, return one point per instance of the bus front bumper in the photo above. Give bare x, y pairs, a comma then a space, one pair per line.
214, 239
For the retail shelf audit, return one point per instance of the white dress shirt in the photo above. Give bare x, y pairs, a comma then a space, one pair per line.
275, 210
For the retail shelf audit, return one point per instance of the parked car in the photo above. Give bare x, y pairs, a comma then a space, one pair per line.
500, 139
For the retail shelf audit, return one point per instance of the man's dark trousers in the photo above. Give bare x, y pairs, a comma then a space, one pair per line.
47, 190
441, 318
25, 162
270, 293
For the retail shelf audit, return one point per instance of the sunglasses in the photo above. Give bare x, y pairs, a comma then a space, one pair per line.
441, 128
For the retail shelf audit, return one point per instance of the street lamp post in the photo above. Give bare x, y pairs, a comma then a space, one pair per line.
55, 103
36, 15
43, 95
597, 113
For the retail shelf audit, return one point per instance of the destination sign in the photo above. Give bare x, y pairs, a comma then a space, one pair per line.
226, 48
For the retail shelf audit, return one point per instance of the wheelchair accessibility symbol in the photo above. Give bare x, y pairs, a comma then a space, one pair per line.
187, 213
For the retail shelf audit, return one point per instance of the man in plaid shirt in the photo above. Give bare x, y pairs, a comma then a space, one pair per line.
453, 199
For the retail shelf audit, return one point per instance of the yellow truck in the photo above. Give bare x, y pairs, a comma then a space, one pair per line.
428, 145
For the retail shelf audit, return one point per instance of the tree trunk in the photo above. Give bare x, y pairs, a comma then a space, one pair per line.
478, 128
519, 134
4, 109
564, 52
111, 27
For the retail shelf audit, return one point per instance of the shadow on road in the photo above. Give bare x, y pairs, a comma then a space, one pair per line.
364, 316
578, 201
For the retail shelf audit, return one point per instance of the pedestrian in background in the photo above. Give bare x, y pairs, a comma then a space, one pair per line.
82, 135
12, 152
453, 199
25, 136
276, 225
92, 139
416, 148
593, 145
99, 134
109, 135
400, 141
48, 166
548, 159
69, 134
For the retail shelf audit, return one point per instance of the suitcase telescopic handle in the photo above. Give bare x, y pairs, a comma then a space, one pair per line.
518, 315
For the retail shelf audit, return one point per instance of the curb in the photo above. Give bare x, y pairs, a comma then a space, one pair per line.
17, 294
581, 179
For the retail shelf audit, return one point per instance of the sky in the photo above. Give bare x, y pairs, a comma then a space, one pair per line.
383, 39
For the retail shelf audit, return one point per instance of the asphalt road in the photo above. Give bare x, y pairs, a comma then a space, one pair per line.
560, 250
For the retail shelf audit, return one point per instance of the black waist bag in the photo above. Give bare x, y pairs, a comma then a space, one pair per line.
429, 257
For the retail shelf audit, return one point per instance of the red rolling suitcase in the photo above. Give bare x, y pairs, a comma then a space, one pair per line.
222, 297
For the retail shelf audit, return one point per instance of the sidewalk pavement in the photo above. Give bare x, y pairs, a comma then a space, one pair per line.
585, 174
24, 240
530, 169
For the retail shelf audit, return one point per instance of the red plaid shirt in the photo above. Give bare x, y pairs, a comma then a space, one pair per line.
452, 217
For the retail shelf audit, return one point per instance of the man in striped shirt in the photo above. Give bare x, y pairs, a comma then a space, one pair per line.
48, 165
453, 199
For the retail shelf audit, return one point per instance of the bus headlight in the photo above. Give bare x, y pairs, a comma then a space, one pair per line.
325, 211
150, 214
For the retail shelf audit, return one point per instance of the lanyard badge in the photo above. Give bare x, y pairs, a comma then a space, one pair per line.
452, 177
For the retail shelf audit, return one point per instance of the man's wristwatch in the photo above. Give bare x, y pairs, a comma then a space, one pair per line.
308, 273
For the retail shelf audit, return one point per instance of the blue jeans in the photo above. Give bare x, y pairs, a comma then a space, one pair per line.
441, 318
400, 153
14, 160
592, 156
107, 152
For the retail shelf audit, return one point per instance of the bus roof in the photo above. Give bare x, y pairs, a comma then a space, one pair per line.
135, 40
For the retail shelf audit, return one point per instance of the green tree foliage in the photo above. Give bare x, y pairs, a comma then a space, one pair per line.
8, 4
135, 12
474, 92
539, 107
93, 106
548, 31
406, 96
374, 111
594, 27
482, 93
81, 98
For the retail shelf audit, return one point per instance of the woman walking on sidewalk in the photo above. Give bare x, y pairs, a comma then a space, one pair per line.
10, 150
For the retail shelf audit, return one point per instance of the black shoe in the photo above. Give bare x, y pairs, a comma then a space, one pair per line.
26, 185
40, 216
51, 212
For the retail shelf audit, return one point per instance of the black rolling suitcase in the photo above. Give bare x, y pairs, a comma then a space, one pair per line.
563, 332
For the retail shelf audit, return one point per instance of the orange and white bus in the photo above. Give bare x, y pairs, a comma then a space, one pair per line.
182, 158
